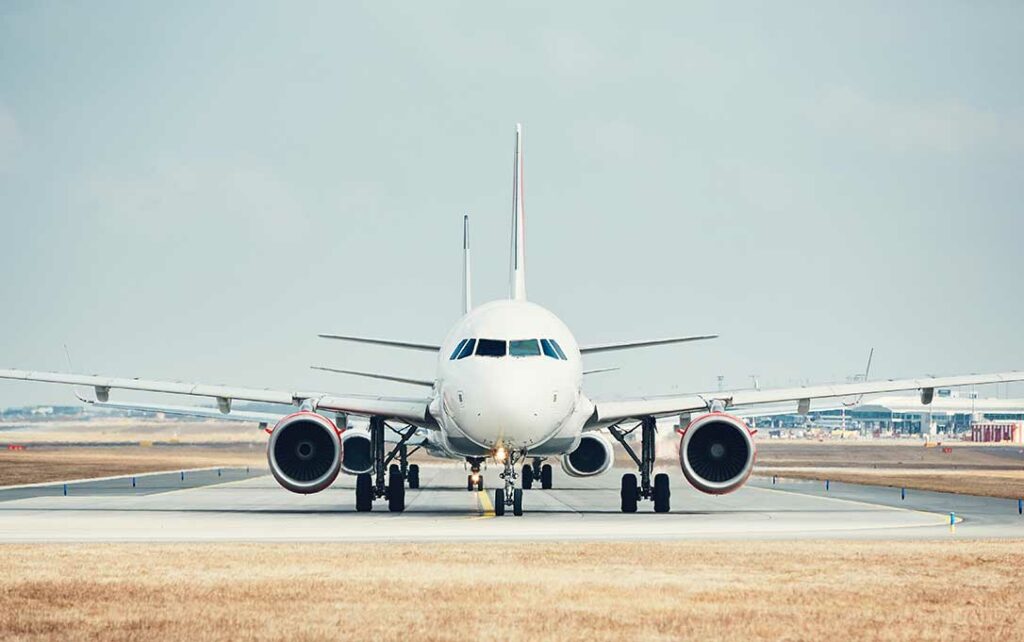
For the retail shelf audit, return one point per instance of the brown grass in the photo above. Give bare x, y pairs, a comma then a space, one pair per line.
1005, 484
54, 464
495, 591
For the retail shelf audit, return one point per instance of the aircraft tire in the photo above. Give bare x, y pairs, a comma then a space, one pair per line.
527, 477
517, 502
545, 476
414, 476
364, 493
661, 493
499, 501
396, 490
629, 494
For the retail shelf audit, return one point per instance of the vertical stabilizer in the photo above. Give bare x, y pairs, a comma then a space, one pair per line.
518, 273
467, 281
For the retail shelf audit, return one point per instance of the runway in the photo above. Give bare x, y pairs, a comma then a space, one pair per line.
248, 505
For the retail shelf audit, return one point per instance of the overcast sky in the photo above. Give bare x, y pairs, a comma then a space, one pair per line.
193, 190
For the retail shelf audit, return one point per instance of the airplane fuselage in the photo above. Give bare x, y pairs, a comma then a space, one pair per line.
510, 376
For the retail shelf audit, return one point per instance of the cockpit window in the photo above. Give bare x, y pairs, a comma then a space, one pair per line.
558, 349
524, 348
548, 349
491, 348
457, 349
467, 349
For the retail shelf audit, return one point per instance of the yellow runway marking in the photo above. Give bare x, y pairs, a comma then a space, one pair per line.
486, 506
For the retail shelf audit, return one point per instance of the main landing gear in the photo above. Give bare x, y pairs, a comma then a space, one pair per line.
388, 479
475, 479
631, 493
537, 472
509, 495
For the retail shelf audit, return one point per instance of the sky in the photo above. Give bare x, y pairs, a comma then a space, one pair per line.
194, 190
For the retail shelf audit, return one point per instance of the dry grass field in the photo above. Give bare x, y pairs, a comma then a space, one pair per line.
54, 464
963, 590
994, 471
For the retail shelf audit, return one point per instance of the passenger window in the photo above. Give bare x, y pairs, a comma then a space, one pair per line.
549, 351
467, 350
490, 348
524, 348
558, 349
457, 349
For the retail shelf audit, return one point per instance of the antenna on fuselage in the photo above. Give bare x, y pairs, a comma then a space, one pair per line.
518, 264
467, 281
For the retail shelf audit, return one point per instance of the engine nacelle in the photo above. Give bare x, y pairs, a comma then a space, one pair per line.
304, 452
356, 457
593, 456
717, 453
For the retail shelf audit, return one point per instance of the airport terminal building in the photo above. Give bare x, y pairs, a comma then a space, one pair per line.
949, 413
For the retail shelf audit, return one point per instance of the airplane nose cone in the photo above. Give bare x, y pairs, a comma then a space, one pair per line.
515, 413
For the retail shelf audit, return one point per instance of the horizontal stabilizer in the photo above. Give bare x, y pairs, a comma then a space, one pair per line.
423, 347
372, 375
629, 345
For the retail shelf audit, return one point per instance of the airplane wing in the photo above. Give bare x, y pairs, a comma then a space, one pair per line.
410, 410
646, 343
610, 412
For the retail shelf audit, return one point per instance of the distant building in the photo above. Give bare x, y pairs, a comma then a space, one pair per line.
998, 431
950, 412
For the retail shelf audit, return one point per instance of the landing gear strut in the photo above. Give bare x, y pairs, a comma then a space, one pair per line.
631, 493
387, 479
509, 495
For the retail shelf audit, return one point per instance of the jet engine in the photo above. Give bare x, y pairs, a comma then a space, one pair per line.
356, 457
717, 453
304, 452
592, 456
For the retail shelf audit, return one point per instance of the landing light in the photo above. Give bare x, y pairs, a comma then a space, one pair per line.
475, 477
499, 454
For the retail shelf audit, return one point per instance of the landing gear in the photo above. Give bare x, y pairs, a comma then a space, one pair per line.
631, 493
545, 476
387, 480
509, 495
475, 479
536, 472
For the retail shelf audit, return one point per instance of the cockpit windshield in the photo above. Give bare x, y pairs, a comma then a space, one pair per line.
491, 348
524, 348
497, 348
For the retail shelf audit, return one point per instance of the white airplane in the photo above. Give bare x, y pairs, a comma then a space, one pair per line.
509, 388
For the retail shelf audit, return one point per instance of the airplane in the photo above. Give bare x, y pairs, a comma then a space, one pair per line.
508, 389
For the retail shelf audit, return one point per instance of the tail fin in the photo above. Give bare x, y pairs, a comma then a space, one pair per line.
467, 282
518, 274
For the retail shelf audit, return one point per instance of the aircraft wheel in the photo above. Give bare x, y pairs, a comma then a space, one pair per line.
364, 492
396, 490
661, 493
414, 476
629, 493
517, 502
469, 482
527, 477
545, 476
499, 501
480, 483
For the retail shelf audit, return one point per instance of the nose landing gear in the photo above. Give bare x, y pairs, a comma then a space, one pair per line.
475, 479
509, 495
659, 492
